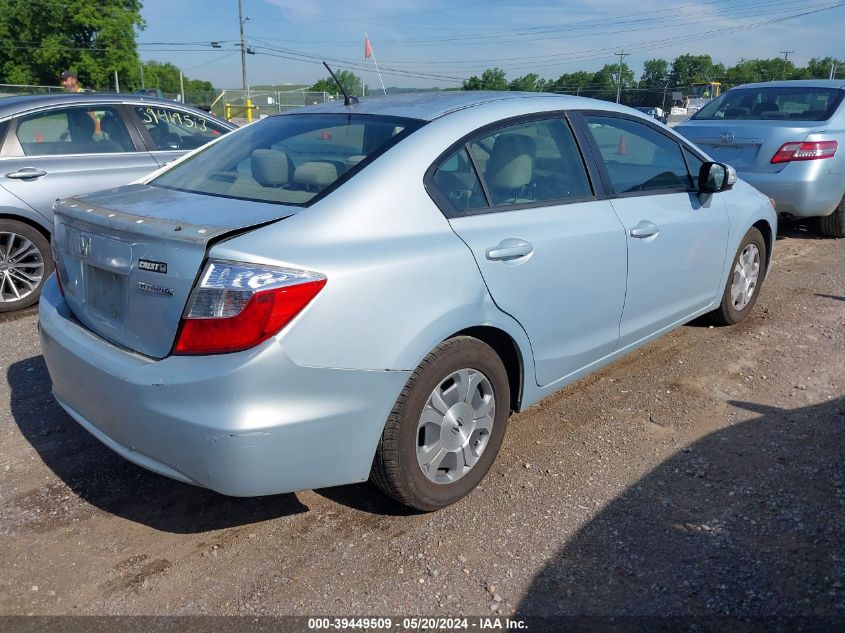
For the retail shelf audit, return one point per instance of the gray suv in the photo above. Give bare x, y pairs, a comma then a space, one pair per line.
783, 137
53, 146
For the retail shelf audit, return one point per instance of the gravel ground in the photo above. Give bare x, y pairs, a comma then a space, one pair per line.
703, 474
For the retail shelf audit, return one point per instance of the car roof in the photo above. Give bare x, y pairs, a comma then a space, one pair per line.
797, 83
9, 106
428, 106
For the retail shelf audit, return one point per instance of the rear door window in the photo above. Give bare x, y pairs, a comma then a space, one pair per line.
456, 183
172, 129
637, 157
78, 130
532, 162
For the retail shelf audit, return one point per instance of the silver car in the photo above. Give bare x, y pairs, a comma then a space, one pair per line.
68, 144
369, 291
783, 138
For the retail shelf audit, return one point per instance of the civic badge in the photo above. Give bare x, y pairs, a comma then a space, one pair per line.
727, 138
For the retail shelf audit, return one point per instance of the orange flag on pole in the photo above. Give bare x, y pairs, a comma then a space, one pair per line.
368, 48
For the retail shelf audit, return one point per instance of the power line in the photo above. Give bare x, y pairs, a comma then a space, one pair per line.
465, 33
212, 61
532, 61
597, 53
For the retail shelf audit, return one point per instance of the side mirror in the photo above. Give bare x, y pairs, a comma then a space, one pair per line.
716, 177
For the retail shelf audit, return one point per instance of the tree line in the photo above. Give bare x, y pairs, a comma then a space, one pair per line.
658, 79
39, 39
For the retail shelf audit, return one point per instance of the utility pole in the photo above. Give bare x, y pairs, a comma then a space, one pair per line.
622, 55
832, 71
241, 21
786, 55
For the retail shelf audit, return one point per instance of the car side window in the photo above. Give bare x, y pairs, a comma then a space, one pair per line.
78, 130
456, 181
536, 161
637, 157
173, 129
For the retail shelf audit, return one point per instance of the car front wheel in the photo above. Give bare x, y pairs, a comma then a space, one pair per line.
747, 273
25, 263
446, 427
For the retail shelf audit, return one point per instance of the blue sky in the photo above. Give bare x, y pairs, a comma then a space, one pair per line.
424, 43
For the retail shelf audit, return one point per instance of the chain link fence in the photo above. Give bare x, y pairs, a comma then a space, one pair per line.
266, 102
11, 90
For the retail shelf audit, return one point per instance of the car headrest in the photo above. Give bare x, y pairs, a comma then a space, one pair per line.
511, 163
765, 106
270, 167
315, 173
81, 127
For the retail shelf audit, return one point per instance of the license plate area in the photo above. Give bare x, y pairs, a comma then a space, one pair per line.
106, 293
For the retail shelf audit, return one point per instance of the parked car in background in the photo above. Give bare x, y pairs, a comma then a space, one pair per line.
654, 112
370, 290
151, 92
67, 144
783, 137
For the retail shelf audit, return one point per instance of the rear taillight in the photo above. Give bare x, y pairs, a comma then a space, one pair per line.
812, 150
238, 306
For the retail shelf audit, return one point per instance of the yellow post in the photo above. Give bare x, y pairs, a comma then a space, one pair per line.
228, 112
249, 110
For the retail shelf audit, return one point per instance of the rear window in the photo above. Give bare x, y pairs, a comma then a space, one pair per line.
789, 103
288, 159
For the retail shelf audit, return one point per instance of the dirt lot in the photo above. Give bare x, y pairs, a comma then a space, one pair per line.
704, 474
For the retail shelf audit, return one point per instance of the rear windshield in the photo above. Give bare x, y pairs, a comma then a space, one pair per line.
288, 159
798, 104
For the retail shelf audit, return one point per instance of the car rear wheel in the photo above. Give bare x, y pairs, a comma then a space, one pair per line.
25, 263
833, 225
747, 273
446, 427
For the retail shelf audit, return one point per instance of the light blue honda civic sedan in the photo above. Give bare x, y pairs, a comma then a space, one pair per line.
369, 290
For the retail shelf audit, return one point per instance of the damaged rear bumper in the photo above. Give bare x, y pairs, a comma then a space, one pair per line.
244, 424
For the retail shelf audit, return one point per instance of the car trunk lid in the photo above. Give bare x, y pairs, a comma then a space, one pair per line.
746, 145
128, 258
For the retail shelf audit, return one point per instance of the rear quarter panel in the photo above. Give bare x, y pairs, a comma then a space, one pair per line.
16, 209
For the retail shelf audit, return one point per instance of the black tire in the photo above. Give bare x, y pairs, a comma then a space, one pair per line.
395, 468
833, 225
727, 313
42, 245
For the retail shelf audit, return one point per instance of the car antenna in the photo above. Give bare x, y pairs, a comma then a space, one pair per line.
347, 100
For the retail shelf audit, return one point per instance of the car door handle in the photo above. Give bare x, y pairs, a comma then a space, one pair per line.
645, 229
27, 173
508, 249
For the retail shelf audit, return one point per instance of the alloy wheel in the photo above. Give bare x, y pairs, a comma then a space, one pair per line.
21, 267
